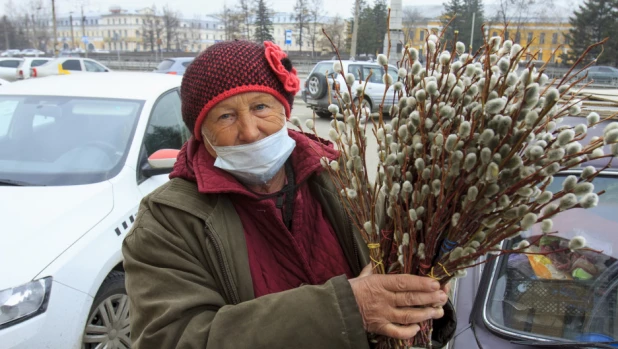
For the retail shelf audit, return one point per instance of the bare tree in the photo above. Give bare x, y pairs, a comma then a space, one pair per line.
152, 28
232, 22
171, 24
335, 28
514, 13
246, 12
411, 17
315, 11
301, 15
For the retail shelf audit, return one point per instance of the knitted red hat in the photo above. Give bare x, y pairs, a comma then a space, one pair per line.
228, 68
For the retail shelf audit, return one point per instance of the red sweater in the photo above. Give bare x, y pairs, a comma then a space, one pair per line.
279, 259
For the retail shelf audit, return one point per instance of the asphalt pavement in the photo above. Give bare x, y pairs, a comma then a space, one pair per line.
322, 126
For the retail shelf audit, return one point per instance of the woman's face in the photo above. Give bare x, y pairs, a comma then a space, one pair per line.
242, 119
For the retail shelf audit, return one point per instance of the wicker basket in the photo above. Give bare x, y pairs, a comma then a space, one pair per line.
545, 307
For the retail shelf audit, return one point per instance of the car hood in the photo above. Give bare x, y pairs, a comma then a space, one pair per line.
40, 223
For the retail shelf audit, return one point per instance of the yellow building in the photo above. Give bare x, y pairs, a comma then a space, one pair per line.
546, 39
545, 35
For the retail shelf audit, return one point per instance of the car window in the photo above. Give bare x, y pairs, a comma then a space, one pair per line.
373, 73
393, 73
165, 65
72, 64
604, 70
165, 129
556, 292
38, 62
322, 68
93, 67
10, 63
51, 140
355, 69
186, 64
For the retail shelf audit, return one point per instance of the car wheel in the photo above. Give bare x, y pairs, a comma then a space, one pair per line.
108, 323
324, 114
317, 85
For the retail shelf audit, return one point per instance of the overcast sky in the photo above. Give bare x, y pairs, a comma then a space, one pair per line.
190, 7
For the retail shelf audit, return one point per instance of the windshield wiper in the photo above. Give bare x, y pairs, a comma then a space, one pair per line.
10, 182
566, 344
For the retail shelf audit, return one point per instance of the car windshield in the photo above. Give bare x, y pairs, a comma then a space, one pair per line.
563, 294
64, 140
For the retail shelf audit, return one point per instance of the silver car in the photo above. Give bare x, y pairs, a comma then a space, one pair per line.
314, 92
174, 66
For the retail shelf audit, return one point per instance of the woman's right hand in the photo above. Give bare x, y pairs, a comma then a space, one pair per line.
393, 305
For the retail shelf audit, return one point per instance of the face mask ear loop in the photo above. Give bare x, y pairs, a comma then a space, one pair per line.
206, 138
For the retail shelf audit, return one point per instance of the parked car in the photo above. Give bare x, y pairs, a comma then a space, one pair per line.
68, 65
8, 66
10, 53
23, 70
77, 154
314, 93
599, 74
31, 52
558, 300
174, 66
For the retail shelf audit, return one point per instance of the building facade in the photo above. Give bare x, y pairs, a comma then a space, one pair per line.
546, 35
135, 31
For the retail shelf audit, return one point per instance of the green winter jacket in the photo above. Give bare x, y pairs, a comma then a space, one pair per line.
189, 282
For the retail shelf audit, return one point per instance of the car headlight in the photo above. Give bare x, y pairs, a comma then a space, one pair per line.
23, 302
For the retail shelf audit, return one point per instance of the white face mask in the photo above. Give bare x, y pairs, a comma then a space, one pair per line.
256, 163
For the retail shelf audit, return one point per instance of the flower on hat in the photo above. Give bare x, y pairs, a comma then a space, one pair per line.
274, 56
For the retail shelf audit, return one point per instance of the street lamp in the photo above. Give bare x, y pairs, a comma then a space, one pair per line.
72, 33
55, 45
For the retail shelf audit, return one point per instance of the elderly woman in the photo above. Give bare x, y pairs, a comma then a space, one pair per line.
247, 246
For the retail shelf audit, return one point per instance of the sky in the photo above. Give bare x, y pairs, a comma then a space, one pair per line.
191, 7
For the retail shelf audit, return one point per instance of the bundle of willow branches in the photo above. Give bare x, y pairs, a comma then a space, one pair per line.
465, 160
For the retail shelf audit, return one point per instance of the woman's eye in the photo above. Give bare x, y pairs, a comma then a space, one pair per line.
225, 116
260, 107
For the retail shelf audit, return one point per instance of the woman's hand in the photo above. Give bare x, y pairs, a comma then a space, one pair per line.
393, 305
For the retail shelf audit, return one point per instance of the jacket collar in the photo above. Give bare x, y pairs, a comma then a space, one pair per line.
195, 164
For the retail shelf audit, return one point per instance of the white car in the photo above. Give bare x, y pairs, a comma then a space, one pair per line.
10, 53
4, 82
68, 65
8, 66
32, 52
77, 154
23, 70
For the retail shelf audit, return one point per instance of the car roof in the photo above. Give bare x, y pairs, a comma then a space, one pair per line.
11, 58
181, 59
121, 85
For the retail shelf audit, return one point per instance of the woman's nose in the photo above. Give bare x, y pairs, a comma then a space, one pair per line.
248, 131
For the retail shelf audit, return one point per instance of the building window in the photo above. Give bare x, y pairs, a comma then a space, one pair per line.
125, 21
126, 33
109, 33
494, 34
137, 22
422, 35
529, 37
517, 37
540, 56
554, 38
566, 40
506, 35
542, 38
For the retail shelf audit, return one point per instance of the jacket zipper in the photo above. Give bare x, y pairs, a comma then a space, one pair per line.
223, 265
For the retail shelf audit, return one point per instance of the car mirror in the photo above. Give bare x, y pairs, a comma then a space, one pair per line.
160, 162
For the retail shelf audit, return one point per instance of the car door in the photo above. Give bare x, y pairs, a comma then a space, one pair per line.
372, 75
391, 96
72, 65
8, 69
165, 130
